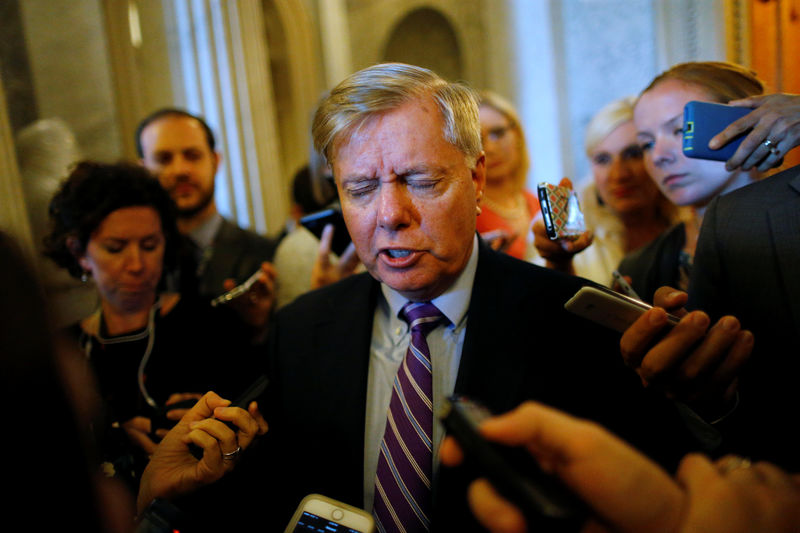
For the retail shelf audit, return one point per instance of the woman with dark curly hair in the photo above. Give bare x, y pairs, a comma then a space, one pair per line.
148, 349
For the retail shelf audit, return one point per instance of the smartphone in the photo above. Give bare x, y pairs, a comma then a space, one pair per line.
546, 502
609, 308
320, 513
563, 218
251, 393
316, 222
620, 280
702, 121
237, 291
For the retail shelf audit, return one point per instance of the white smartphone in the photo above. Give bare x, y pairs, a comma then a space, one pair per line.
238, 290
609, 308
320, 513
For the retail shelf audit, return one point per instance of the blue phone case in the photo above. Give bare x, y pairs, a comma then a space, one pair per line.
702, 121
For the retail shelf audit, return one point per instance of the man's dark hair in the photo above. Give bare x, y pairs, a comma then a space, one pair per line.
171, 112
91, 193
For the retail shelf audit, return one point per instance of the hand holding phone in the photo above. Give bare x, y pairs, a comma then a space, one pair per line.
512, 470
320, 513
563, 218
702, 121
237, 291
316, 222
609, 308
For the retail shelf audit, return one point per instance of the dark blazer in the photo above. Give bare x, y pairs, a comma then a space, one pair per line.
237, 253
747, 264
520, 344
656, 264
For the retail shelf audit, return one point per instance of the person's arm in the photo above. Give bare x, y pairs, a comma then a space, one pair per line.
621, 486
628, 492
775, 118
173, 471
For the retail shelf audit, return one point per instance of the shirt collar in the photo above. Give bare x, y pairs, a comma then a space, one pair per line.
454, 302
203, 235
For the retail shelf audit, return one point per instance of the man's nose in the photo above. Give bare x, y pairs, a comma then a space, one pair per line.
179, 166
394, 206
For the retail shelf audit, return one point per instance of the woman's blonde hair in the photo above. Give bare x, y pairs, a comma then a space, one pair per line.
504, 107
603, 123
610, 117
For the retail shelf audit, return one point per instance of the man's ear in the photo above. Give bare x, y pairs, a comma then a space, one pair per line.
479, 175
217, 160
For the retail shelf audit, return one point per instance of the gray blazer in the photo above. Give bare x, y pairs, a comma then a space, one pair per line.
747, 264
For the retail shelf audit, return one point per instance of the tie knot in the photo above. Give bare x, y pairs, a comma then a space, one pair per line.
421, 316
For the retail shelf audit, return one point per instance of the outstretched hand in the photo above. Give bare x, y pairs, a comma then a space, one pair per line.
695, 362
174, 471
627, 491
255, 306
326, 272
775, 118
558, 253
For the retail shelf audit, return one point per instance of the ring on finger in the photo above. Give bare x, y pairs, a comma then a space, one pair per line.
734, 462
769, 145
232, 455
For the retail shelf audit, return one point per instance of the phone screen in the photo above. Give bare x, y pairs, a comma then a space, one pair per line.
311, 522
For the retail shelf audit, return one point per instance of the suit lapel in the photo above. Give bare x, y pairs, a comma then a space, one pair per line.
224, 250
784, 222
346, 330
489, 370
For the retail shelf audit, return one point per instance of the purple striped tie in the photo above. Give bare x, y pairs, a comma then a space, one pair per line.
405, 464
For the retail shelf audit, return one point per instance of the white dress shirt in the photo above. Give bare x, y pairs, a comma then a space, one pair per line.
390, 339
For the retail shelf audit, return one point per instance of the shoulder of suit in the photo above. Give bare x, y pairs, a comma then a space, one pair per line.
231, 231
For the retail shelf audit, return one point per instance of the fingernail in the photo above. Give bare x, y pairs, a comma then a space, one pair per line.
657, 317
674, 294
700, 320
729, 323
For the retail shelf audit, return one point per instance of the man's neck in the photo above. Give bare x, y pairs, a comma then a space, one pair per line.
187, 224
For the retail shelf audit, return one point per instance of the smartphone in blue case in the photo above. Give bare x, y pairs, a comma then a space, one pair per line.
702, 121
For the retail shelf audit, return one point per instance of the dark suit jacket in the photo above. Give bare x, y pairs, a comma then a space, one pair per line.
520, 344
748, 264
236, 253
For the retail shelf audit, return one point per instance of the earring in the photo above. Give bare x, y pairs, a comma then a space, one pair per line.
478, 209
84, 276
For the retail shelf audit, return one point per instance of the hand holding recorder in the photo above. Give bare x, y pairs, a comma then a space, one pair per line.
626, 491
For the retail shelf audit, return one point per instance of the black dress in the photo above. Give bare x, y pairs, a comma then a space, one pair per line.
195, 348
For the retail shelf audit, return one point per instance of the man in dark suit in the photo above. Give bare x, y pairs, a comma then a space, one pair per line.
179, 149
747, 265
405, 149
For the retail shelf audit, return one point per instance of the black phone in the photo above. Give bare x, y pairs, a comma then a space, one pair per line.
545, 501
316, 222
702, 121
253, 392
